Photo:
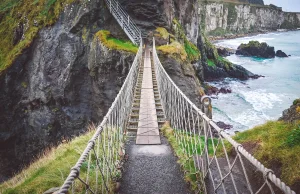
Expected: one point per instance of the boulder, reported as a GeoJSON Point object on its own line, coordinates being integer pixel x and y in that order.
{"type": "Point", "coordinates": [280, 53]}
{"type": "Point", "coordinates": [256, 49]}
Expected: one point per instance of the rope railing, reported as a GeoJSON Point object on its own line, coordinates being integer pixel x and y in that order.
{"type": "Point", "coordinates": [100, 162]}
{"type": "Point", "coordinates": [219, 163]}
{"type": "Point", "coordinates": [125, 21]}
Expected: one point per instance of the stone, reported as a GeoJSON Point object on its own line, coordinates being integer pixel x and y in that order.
{"type": "Point", "coordinates": [256, 49]}
{"type": "Point", "coordinates": [281, 54]}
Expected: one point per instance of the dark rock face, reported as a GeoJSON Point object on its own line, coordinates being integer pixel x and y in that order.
{"type": "Point", "coordinates": [224, 52]}
{"type": "Point", "coordinates": [280, 53]}
{"type": "Point", "coordinates": [256, 49]}
{"type": "Point", "coordinates": [292, 114]}
{"type": "Point", "coordinates": [57, 86]}
{"type": "Point", "coordinates": [223, 125]}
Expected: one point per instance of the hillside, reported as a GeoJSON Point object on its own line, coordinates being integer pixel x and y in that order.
{"type": "Point", "coordinates": [277, 145]}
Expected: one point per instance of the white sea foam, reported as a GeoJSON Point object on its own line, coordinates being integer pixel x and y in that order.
{"type": "Point", "coordinates": [260, 99]}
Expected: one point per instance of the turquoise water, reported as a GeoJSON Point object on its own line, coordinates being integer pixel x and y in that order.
{"type": "Point", "coordinates": [254, 102]}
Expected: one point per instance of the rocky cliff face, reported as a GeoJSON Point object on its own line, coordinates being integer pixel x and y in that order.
{"type": "Point", "coordinates": [221, 18]}
{"type": "Point", "coordinates": [67, 78]}
{"type": "Point", "coordinates": [63, 81]}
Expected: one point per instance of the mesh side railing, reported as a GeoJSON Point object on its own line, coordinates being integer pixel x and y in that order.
{"type": "Point", "coordinates": [217, 162]}
{"type": "Point", "coordinates": [99, 164]}
{"type": "Point", "coordinates": [124, 20]}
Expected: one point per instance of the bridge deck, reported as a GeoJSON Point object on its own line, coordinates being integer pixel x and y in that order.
{"type": "Point", "coordinates": [148, 131]}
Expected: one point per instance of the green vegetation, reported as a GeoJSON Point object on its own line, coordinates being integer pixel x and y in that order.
{"type": "Point", "coordinates": [278, 143]}
{"type": "Point", "coordinates": [211, 63]}
{"type": "Point", "coordinates": [297, 101]}
{"type": "Point", "coordinates": [217, 32]}
{"type": "Point", "coordinates": [163, 32]}
{"type": "Point", "coordinates": [232, 14]}
{"type": "Point", "coordinates": [111, 42]}
{"type": "Point", "coordinates": [28, 17]}
{"type": "Point", "coordinates": [192, 51]}
{"type": "Point", "coordinates": [52, 168]}
{"type": "Point", "coordinates": [255, 44]}
{"type": "Point", "coordinates": [193, 142]}
{"type": "Point", "coordinates": [49, 171]}
{"type": "Point", "coordinates": [175, 50]}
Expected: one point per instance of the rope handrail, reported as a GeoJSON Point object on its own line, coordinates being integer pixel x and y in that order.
{"type": "Point", "coordinates": [170, 94]}
{"type": "Point", "coordinates": [111, 130]}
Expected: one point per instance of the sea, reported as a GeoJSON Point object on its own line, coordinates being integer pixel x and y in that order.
{"type": "Point", "coordinates": [256, 101]}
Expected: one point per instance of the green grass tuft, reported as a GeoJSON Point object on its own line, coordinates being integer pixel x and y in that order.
{"type": "Point", "coordinates": [211, 63]}
{"type": "Point", "coordinates": [110, 42]}
{"type": "Point", "coordinates": [278, 143]}
{"type": "Point", "coordinates": [34, 14]}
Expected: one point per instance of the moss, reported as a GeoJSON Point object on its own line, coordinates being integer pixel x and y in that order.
{"type": "Point", "coordinates": [24, 84]}
{"type": "Point", "coordinates": [163, 32]}
{"type": "Point", "coordinates": [232, 14]}
{"type": "Point", "coordinates": [278, 143]}
{"type": "Point", "coordinates": [297, 101]}
{"type": "Point", "coordinates": [227, 64]}
{"type": "Point", "coordinates": [175, 50]}
{"type": "Point", "coordinates": [33, 15]}
{"type": "Point", "coordinates": [113, 43]}
{"type": "Point", "coordinates": [298, 109]}
{"type": "Point", "coordinates": [218, 32]}
{"type": "Point", "coordinates": [192, 51]}
{"type": "Point", "coordinates": [211, 63]}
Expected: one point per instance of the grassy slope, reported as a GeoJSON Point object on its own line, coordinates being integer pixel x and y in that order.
{"type": "Point", "coordinates": [49, 171]}
{"type": "Point", "coordinates": [278, 144]}
{"type": "Point", "coordinates": [34, 14]}
{"type": "Point", "coordinates": [110, 42]}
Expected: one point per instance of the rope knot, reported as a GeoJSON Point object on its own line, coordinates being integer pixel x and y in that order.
{"type": "Point", "coordinates": [266, 173]}
{"type": "Point", "coordinates": [77, 170]}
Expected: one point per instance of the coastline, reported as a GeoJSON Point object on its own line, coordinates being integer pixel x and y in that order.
{"type": "Point", "coordinates": [215, 39]}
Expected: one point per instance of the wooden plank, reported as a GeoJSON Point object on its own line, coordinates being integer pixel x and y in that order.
{"type": "Point", "coordinates": [148, 131]}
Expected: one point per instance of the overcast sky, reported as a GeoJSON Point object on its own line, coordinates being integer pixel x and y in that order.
{"type": "Point", "coordinates": [287, 5]}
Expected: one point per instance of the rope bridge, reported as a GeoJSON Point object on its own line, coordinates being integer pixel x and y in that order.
{"type": "Point", "coordinates": [204, 145]}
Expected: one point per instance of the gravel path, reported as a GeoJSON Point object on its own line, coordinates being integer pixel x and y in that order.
{"type": "Point", "coordinates": [152, 169]}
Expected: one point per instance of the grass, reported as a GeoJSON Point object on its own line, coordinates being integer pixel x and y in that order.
{"type": "Point", "coordinates": [186, 152]}
{"type": "Point", "coordinates": [111, 42]}
{"type": "Point", "coordinates": [211, 63]}
{"type": "Point", "coordinates": [192, 51]}
{"type": "Point", "coordinates": [163, 32]}
{"type": "Point", "coordinates": [278, 143]}
{"type": "Point", "coordinates": [52, 169]}
{"type": "Point", "coordinates": [33, 15]}
{"type": "Point", "coordinates": [175, 50]}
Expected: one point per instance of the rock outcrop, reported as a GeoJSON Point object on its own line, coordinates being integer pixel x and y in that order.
{"type": "Point", "coordinates": [256, 49]}
{"type": "Point", "coordinates": [66, 79]}
{"type": "Point", "coordinates": [292, 114]}
{"type": "Point", "coordinates": [280, 53]}
{"type": "Point", "coordinates": [221, 19]}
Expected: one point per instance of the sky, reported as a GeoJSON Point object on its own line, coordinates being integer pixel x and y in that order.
{"type": "Point", "coordinates": [287, 5]}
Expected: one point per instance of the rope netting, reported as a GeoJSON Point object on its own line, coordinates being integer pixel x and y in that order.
{"type": "Point", "coordinates": [100, 162]}
{"type": "Point", "coordinates": [219, 164]}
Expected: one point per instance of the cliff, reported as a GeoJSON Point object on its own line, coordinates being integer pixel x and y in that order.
{"type": "Point", "coordinates": [220, 18]}
{"type": "Point", "coordinates": [62, 64]}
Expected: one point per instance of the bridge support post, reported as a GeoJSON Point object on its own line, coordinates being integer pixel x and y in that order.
{"type": "Point", "coordinates": [206, 108]}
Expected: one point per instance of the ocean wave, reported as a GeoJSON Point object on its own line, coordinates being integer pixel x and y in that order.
{"type": "Point", "coordinates": [260, 99]}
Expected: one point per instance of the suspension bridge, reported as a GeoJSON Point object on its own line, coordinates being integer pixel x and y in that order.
{"type": "Point", "coordinates": [147, 99]}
